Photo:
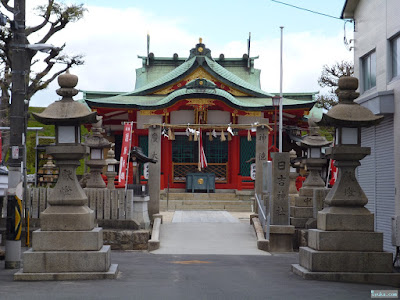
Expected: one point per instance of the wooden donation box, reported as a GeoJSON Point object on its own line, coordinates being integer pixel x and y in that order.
{"type": "Point", "coordinates": [200, 182]}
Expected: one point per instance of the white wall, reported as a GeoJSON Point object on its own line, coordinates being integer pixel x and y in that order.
{"type": "Point", "coordinates": [375, 23]}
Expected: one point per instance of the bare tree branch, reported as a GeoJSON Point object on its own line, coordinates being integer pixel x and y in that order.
{"type": "Point", "coordinates": [46, 16]}
{"type": "Point", "coordinates": [329, 78]}
{"type": "Point", "coordinates": [6, 6]}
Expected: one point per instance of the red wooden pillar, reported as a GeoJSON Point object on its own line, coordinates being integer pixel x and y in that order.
{"type": "Point", "coordinates": [166, 159]}
{"type": "Point", "coordinates": [234, 161]}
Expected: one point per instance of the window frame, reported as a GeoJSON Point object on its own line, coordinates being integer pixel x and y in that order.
{"type": "Point", "coordinates": [368, 64]}
{"type": "Point", "coordinates": [394, 68]}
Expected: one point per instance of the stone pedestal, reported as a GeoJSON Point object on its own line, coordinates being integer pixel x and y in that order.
{"type": "Point", "coordinates": [281, 238]}
{"type": "Point", "coordinates": [95, 180]}
{"type": "Point", "coordinates": [140, 211]}
{"type": "Point", "coordinates": [303, 213]}
{"type": "Point", "coordinates": [346, 248]}
{"type": "Point", "coordinates": [110, 180]}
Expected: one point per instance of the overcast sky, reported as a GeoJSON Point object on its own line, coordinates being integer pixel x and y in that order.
{"type": "Point", "coordinates": [113, 33]}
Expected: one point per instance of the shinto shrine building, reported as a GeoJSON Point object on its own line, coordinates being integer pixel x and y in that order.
{"type": "Point", "coordinates": [200, 92]}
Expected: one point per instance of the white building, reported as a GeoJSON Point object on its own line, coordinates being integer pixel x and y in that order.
{"type": "Point", "coordinates": [377, 65]}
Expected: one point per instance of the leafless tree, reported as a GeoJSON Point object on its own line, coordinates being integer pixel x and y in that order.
{"type": "Point", "coordinates": [55, 17]}
{"type": "Point", "coordinates": [329, 78]}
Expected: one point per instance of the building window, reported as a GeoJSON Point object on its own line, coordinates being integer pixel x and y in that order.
{"type": "Point", "coordinates": [395, 49]}
{"type": "Point", "coordinates": [369, 71]}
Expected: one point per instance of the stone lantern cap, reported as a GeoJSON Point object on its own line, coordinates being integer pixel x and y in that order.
{"type": "Point", "coordinates": [111, 156]}
{"type": "Point", "coordinates": [347, 113]}
{"type": "Point", "coordinates": [138, 153]}
{"type": "Point", "coordinates": [314, 139]}
{"type": "Point", "coordinates": [96, 139]}
{"type": "Point", "coordinates": [66, 111]}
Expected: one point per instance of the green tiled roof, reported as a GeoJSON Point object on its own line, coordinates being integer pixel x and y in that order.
{"type": "Point", "coordinates": [182, 69]}
{"type": "Point", "coordinates": [161, 101]}
{"type": "Point", "coordinates": [224, 73]}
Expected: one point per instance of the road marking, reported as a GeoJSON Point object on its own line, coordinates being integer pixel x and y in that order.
{"type": "Point", "coordinates": [191, 262]}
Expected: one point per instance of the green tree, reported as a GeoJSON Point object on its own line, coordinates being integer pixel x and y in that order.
{"type": "Point", "coordinates": [42, 71]}
{"type": "Point", "coordinates": [329, 79]}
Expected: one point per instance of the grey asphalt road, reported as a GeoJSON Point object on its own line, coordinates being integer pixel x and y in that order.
{"type": "Point", "coordinates": [149, 276]}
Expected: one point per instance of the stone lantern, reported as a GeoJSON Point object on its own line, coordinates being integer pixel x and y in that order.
{"type": "Point", "coordinates": [68, 246]}
{"type": "Point", "coordinates": [344, 247]}
{"type": "Point", "coordinates": [111, 171]}
{"type": "Point", "coordinates": [314, 162]}
{"type": "Point", "coordinates": [96, 142]}
{"type": "Point", "coordinates": [312, 193]}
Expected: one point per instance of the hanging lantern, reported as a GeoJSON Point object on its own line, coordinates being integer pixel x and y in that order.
{"type": "Point", "coordinates": [223, 139]}
{"type": "Point", "coordinates": [210, 137]}
{"type": "Point", "coordinates": [248, 136]}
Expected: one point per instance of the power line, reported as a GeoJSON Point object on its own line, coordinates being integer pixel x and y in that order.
{"type": "Point", "coordinates": [309, 10]}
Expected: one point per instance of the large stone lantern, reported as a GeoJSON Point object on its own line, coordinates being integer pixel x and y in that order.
{"type": "Point", "coordinates": [68, 246]}
{"type": "Point", "coordinates": [96, 143]}
{"type": "Point", "coordinates": [344, 247]}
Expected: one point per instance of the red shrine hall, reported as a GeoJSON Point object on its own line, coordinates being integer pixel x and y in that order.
{"type": "Point", "coordinates": [220, 98]}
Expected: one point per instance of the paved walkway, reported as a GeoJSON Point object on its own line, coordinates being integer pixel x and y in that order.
{"type": "Point", "coordinates": [207, 232]}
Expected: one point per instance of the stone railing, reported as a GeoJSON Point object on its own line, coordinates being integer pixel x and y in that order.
{"type": "Point", "coordinates": [107, 204]}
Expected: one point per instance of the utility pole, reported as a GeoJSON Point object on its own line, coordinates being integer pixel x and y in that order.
{"type": "Point", "coordinates": [281, 96]}
{"type": "Point", "coordinates": [20, 79]}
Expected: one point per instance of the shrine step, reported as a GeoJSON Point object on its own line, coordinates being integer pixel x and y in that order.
{"type": "Point", "coordinates": [203, 201]}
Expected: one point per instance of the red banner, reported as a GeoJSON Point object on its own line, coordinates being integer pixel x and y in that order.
{"type": "Point", "coordinates": [125, 149]}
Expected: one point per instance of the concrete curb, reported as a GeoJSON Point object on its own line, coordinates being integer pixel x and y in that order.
{"type": "Point", "coordinates": [262, 243]}
{"type": "Point", "coordinates": [154, 242]}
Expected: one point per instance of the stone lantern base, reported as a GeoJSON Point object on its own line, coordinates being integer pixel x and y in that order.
{"type": "Point", "coordinates": [346, 248]}
{"type": "Point", "coordinates": [67, 253]}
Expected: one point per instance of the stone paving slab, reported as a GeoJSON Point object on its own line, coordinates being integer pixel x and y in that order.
{"type": "Point", "coordinates": [207, 232]}
{"type": "Point", "coordinates": [203, 217]}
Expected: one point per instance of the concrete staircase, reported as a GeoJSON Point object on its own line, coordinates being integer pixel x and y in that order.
{"type": "Point", "coordinates": [230, 200]}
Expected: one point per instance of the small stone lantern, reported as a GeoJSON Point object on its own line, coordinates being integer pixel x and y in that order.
{"type": "Point", "coordinates": [111, 171]}
{"type": "Point", "coordinates": [68, 246]}
{"type": "Point", "coordinates": [314, 162]}
{"type": "Point", "coordinates": [345, 247]}
{"type": "Point", "coordinates": [96, 142]}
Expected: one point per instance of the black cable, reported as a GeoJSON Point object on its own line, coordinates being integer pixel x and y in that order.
{"type": "Point", "coordinates": [309, 10]}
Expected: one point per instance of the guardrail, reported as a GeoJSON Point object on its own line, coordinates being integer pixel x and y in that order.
{"type": "Point", "coordinates": [262, 217]}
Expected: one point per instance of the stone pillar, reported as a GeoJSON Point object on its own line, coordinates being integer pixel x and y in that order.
{"type": "Point", "coordinates": [261, 158]}
{"type": "Point", "coordinates": [281, 232]}
{"type": "Point", "coordinates": [154, 169]}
